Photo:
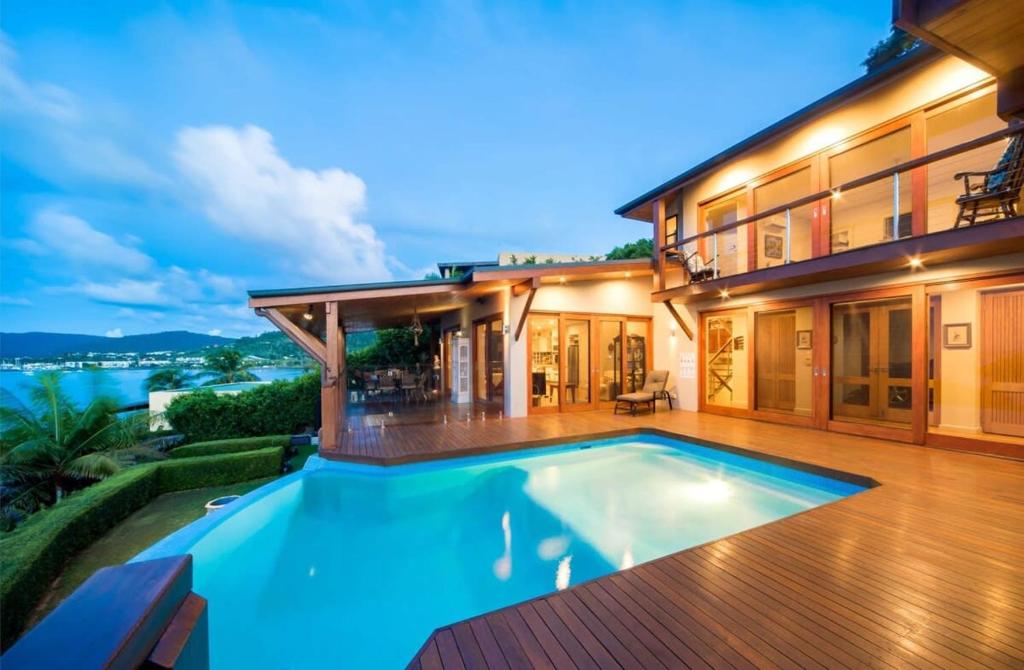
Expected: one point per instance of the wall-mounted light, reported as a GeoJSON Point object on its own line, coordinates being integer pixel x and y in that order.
{"type": "Point", "coordinates": [308, 314]}
{"type": "Point", "coordinates": [561, 280]}
{"type": "Point", "coordinates": [672, 331]}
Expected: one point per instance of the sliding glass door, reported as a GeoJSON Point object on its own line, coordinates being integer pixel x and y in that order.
{"type": "Point", "coordinates": [871, 361]}
{"type": "Point", "coordinates": [585, 361]}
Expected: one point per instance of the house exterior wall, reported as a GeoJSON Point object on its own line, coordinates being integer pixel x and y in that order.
{"type": "Point", "coordinates": [925, 83]}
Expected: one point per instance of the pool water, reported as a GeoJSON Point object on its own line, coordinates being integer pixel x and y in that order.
{"type": "Point", "coordinates": [354, 566]}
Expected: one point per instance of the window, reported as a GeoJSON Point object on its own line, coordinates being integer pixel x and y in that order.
{"type": "Point", "coordinates": [772, 242]}
{"type": "Point", "coordinates": [730, 244]}
{"type": "Point", "coordinates": [948, 128]}
{"type": "Point", "coordinates": [863, 216]}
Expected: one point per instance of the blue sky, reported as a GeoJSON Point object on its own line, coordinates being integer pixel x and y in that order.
{"type": "Point", "coordinates": [158, 159]}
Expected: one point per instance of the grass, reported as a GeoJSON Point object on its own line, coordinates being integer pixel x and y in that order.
{"type": "Point", "coordinates": [161, 517]}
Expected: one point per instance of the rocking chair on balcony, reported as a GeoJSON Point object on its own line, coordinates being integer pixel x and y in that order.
{"type": "Point", "coordinates": [997, 194]}
{"type": "Point", "coordinates": [698, 270]}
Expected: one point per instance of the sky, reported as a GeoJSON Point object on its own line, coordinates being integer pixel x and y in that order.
{"type": "Point", "coordinates": [158, 159]}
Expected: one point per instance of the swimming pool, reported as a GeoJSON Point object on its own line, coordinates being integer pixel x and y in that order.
{"type": "Point", "coordinates": [354, 566]}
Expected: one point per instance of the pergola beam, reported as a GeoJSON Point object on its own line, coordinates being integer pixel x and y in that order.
{"type": "Point", "coordinates": [305, 340]}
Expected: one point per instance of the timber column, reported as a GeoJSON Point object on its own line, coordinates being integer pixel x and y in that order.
{"type": "Point", "coordinates": [333, 381]}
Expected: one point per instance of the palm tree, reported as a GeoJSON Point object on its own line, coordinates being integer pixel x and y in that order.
{"type": "Point", "coordinates": [55, 447]}
{"type": "Point", "coordinates": [229, 365]}
{"type": "Point", "coordinates": [168, 379]}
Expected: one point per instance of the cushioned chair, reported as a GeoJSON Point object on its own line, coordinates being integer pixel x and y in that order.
{"type": "Point", "coordinates": [654, 388]}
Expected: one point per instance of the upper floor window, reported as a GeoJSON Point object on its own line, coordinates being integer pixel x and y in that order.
{"type": "Point", "coordinates": [864, 215]}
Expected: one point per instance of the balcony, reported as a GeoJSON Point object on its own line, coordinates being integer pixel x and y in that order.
{"type": "Point", "coordinates": [958, 203]}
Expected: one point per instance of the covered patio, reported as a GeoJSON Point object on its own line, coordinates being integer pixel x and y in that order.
{"type": "Point", "coordinates": [359, 402]}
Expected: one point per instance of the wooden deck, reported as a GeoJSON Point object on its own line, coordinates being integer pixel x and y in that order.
{"type": "Point", "coordinates": [924, 571]}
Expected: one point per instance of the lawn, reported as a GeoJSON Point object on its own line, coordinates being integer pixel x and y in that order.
{"type": "Point", "coordinates": [158, 519]}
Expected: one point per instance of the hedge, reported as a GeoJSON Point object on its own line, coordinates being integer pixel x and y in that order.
{"type": "Point", "coordinates": [204, 471]}
{"type": "Point", "coordinates": [271, 409]}
{"type": "Point", "coordinates": [35, 553]}
{"type": "Point", "coordinates": [215, 447]}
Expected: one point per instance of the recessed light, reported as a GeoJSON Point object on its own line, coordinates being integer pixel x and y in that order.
{"type": "Point", "coordinates": [724, 293]}
{"type": "Point", "coordinates": [628, 274]}
{"type": "Point", "coordinates": [915, 262]}
{"type": "Point", "coordinates": [836, 194]}
{"type": "Point", "coordinates": [561, 280]}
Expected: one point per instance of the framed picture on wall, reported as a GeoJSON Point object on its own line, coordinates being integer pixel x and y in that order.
{"type": "Point", "coordinates": [956, 336]}
{"type": "Point", "coordinates": [840, 240]}
{"type": "Point", "coordinates": [773, 246]}
{"type": "Point", "coordinates": [804, 339]}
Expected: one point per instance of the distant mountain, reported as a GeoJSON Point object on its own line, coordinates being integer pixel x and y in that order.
{"type": "Point", "coordinates": [42, 345]}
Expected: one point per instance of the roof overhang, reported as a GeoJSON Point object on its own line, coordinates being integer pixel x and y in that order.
{"type": "Point", "coordinates": [988, 34]}
{"type": "Point", "coordinates": [388, 304]}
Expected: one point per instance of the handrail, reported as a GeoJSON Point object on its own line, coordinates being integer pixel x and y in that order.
{"type": "Point", "coordinates": [860, 181]}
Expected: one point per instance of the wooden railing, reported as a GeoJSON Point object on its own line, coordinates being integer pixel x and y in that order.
{"type": "Point", "coordinates": [786, 210]}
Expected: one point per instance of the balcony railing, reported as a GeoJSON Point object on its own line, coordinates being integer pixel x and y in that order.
{"type": "Point", "coordinates": [914, 198]}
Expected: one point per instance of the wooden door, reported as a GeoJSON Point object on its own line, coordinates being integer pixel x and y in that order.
{"type": "Point", "coordinates": [776, 363]}
{"type": "Point", "coordinates": [1002, 362]}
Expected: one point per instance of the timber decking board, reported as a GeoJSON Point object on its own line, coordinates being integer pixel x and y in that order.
{"type": "Point", "coordinates": [925, 571]}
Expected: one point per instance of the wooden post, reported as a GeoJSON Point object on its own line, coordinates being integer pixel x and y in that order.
{"type": "Point", "coordinates": [332, 382]}
{"type": "Point", "coordinates": [658, 218]}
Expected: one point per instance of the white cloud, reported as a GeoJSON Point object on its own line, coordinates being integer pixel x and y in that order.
{"type": "Point", "coordinates": [78, 242]}
{"type": "Point", "coordinates": [123, 292]}
{"type": "Point", "coordinates": [57, 136]}
{"type": "Point", "coordinates": [14, 300]}
{"type": "Point", "coordinates": [214, 332]}
{"type": "Point", "coordinates": [116, 332]}
{"type": "Point", "coordinates": [306, 220]}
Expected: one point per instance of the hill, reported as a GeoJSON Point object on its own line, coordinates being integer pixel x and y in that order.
{"type": "Point", "coordinates": [42, 345]}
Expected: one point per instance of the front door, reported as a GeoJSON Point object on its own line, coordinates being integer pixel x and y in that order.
{"type": "Point", "coordinates": [871, 361]}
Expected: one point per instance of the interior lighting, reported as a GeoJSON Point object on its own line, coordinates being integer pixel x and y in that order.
{"type": "Point", "coordinates": [308, 314]}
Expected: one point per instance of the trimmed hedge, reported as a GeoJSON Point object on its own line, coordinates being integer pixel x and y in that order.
{"type": "Point", "coordinates": [204, 471]}
{"type": "Point", "coordinates": [271, 409]}
{"type": "Point", "coordinates": [35, 553]}
{"type": "Point", "coordinates": [215, 447]}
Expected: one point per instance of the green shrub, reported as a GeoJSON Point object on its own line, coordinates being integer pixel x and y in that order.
{"type": "Point", "coordinates": [35, 553]}
{"type": "Point", "coordinates": [203, 471]}
{"type": "Point", "coordinates": [271, 409]}
{"type": "Point", "coordinates": [216, 447]}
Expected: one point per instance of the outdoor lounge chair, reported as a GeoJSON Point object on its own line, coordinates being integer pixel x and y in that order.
{"type": "Point", "coordinates": [997, 194]}
{"type": "Point", "coordinates": [698, 270]}
{"type": "Point", "coordinates": [654, 388]}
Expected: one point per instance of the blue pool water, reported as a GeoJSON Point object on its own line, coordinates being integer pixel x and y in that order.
{"type": "Point", "coordinates": [354, 566]}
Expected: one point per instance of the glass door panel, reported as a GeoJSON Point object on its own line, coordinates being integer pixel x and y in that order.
{"type": "Point", "coordinates": [496, 360]}
{"type": "Point", "coordinates": [577, 361]}
{"type": "Point", "coordinates": [544, 363]}
{"type": "Point", "coordinates": [636, 355]}
{"type": "Point", "coordinates": [772, 231]}
{"type": "Point", "coordinates": [480, 361]}
{"type": "Point", "coordinates": [784, 361]}
{"type": "Point", "coordinates": [871, 361]}
{"type": "Point", "coordinates": [609, 349]}
{"type": "Point", "coordinates": [730, 244]}
{"type": "Point", "coordinates": [725, 360]}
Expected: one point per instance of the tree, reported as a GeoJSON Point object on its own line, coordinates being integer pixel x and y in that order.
{"type": "Point", "coordinates": [54, 447]}
{"type": "Point", "coordinates": [892, 47]}
{"type": "Point", "coordinates": [642, 248]}
{"type": "Point", "coordinates": [431, 275]}
{"type": "Point", "coordinates": [168, 379]}
{"type": "Point", "coordinates": [229, 366]}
